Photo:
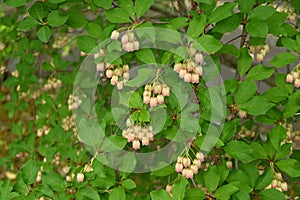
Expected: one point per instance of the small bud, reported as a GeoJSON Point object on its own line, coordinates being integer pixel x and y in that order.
{"type": "Point", "coordinates": [178, 167]}
{"type": "Point", "coordinates": [289, 78]}
{"type": "Point", "coordinates": [259, 57]}
{"type": "Point", "coordinates": [146, 99]}
{"type": "Point", "coordinates": [195, 78]}
{"type": "Point", "coordinates": [126, 76]}
{"type": "Point", "coordinates": [182, 73]}
{"type": "Point", "coordinates": [187, 77]}
{"type": "Point", "coordinates": [109, 73]}
{"type": "Point", "coordinates": [186, 162]}
{"type": "Point", "coordinates": [160, 99]}
{"type": "Point", "coordinates": [114, 80]}
{"type": "Point", "coordinates": [115, 35]}
{"type": "Point", "coordinates": [100, 67]}
{"type": "Point", "coordinates": [199, 58]}
{"type": "Point", "coordinates": [169, 189]}
{"type": "Point", "coordinates": [242, 114]}
{"type": "Point", "coordinates": [194, 168]}
{"type": "Point", "coordinates": [200, 156]}
{"type": "Point", "coordinates": [177, 67]}
{"type": "Point", "coordinates": [165, 91]}
{"type": "Point", "coordinates": [295, 75]}
{"type": "Point", "coordinates": [136, 45]}
{"type": "Point", "coordinates": [120, 85]}
{"type": "Point", "coordinates": [125, 68]}
{"type": "Point", "coordinates": [284, 186]}
{"type": "Point", "coordinates": [179, 159]}
{"type": "Point", "coordinates": [124, 39]}
{"type": "Point", "coordinates": [68, 178]}
{"type": "Point", "coordinates": [80, 177]}
{"type": "Point", "coordinates": [129, 46]}
{"type": "Point", "coordinates": [131, 37]}
{"type": "Point", "coordinates": [145, 141]}
{"type": "Point", "coordinates": [229, 164]}
{"type": "Point", "coordinates": [136, 144]}
{"type": "Point", "coordinates": [297, 83]}
{"type": "Point", "coordinates": [197, 162]}
{"type": "Point", "coordinates": [274, 183]}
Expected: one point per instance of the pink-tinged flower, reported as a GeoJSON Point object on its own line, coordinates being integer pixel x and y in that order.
{"type": "Point", "coordinates": [136, 144]}
{"type": "Point", "coordinates": [242, 114]}
{"type": "Point", "coordinates": [100, 67]}
{"type": "Point", "coordinates": [186, 162]}
{"type": "Point", "coordinates": [80, 177]}
{"type": "Point", "coordinates": [131, 37]}
{"type": "Point", "coordinates": [189, 173]}
{"type": "Point", "coordinates": [190, 66]}
{"type": "Point", "coordinates": [120, 85]}
{"type": "Point", "coordinates": [229, 164]}
{"type": "Point", "coordinates": [124, 39]}
{"type": "Point", "coordinates": [115, 35]}
{"type": "Point", "coordinates": [178, 167]}
{"type": "Point", "coordinates": [160, 99]}
{"type": "Point", "coordinates": [199, 70]}
{"type": "Point", "coordinates": [145, 141]}
{"type": "Point", "coordinates": [200, 156]}
{"type": "Point", "coordinates": [194, 168]}
{"type": "Point", "coordinates": [130, 137]}
{"type": "Point", "coordinates": [157, 88]}
{"type": "Point", "coordinates": [126, 76]}
{"type": "Point", "coordinates": [179, 159]}
{"type": "Point", "coordinates": [165, 91]}
{"type": "Point", "coordinates": [169, 189]}
{"type": "Point", "coordinates": [197, 162]}
{"type": "Point", "coordinates": [109, 73]}
{"type": "Point", "coordinates": [177, 67]}
{"type": "Point", "coordinates": [182, 73]}
{"type": "Point", "coordinates": [195, 78]}
{"type": "Point", "coordinates": [114, 80]}
{"type": "Point", "coordinates": [274, 183]}
{"type": "Point", "coordinates": [146, 99]}
{"type": "Point", "coordinates": [289, 78]}
{"type": "Point", "coordinates": [295, 75]}
{"type": "Point", "coordinates": [96, 55]}
{"type": "Point", "coordinates": [297, 83]}
{"type": "Point", "coordinates": [284, 186]}
{"type": "Point", "coordinates": [153, 101]}
{"type": "Point", "coordinates": [129, 46]}
{"type": "Point", "coordinates": [136, 45]}
{"type": "Point", "coordinates": [199, 58]}
{"type": "Point", "coordinates": [187, 77]}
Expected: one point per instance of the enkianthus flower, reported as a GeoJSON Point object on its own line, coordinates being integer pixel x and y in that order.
{"type": "Point", "coordinates": [74, 102]}
{"type": "Point", "coordinates": [155, 93]}
{"type": "Point", "coordinates": [129, 42]}
{"type": "Point", "coordinates": [118, 75]}
{"type": "Point", "coordinates": [259, 52]}
{"type": "Point", "coordinates": [138, 135]}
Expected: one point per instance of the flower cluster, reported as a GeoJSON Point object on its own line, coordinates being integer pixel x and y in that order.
{"type": "Point", "coordinates": [244, 132]}
{"type": "Point", "coordinates": [74, 102]}
{"type": "Point", "coordinates": [68, 123]}
{"type": "Point", "coordinates": [136, 134]}
{"type": "Point", "coordinates": [287, 8]}
{"type": "Point", "coordinates": [293, 77]}
{"type": "Point", "coordinates": [52, 83]}
{"type": "Point", "coordinates": [189, 70]}
{"type": "Point", "coordinates": [260, 52]}
{"type": "Point", "coordinates": [278, 183]}
{"type": "Point", "coordinates": [15, 73]}
{"type": "Point", "coordinates": [118, 76]}
{"type": "Point", "coordinates": [188, 168]}
{"type": "Point", "coordinates": [128, 40]}
{"type": "Point", "coordinates": [43, 131]}
{"type": "Point", "coordinates": [155, 93]}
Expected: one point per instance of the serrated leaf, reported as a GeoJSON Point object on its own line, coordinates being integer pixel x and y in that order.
{"type": "Point", "coordinates": [260, 72]}
{"type": "Point", "coordinates": [141, 6]}
{"type": "Point", "coordinates": [196, 26]}
{"type": "Point", "coordinates": [245, 91]}
{"type": "Point", "coordinates": [282, 59]}
{"type": "Point", "coordinates": [117, 15]}
{"type": "Point", "coordinates": [244, 61]}
{"type": "Point", "coordinates": [27, 23]}
{"type": "Point", "coordinates": [240, 150]}
{"type": "Point", "coordinates": [56, 19]}
{"type": "Point", "coordinates": [103, 4]}
{"type": "Point", "coordinates": [29, 172]}
{"type": "Point", "coordinates": [37, 11]}
{"type": "Point", "coordinates": [209, 43]}
{"type": "Point", "coordinates": [94, 30]}
{"type": "Point", "coordinates": [76, 19]}
{"type": "Point", "coordinates": [44, 33]}
{"type": "Point", "coordinates": [229, 24]}
{"type": "Point", "coordinates": [258, 105]}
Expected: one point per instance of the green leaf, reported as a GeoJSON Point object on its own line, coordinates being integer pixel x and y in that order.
{"type": "Point", "coordinates": [290, 166]}
{"type": "Point", "coordinates": [196, 26]}
{"type": "Point", "coordinates": [276, 94]}
{"type": "Point", "coordinates": [257, 28]}
{"type": "Point", "coordinates": [56, 1]}
{"type": "Point", "coordinates": [86, 43]}
{"type": "Point", "coordinates": [94, 30]}
{"type": "Point", "coordinates": [258, 105]}
{"type": "Point", "coordinates": [143, 75]}
{"type": "Point", "coordinates": [225, 191]}
{"type": "Point", "coordinates": [264, 180]}
{"type": "Point", "coordinates": [103, 4]}
{"type": "Point", "coordinates": [245, 91]}
{"type": "Point", "coordinates": [118, 141]}
{"type": "Point", "coordinates": [290, 44]}
{"type": "Point", "coordinates": [127, 6]}
{"type": "Point", "coordinates": [117, 193]}
{"type": "Point", "coordinates": [282, 59]}
{"type": "Point", "coordinates": [221, 12]}
{"type": "Point", "coordinates": [141, 6]}
{"type": "Point", "coordinates": [15, 3]}
{"type": "Point", "coordinates": [56, 19]}
{"type": "Point", "coordinates": [229, 24]}
{"type": "Point", "coordinates": [211, 178]}
{"type": "Point", "coordinates": [195, 194]}
{"type": "Point", "coordinates": [54, 181]}
{"type": "Point", "coordinates": [292, 106]}
{"type": "Point", "coordinates": [245, 5]}
{"type": "Point", "coordinates": [89, 192]}
{"type": "Point", "coordinates": [262, 12]}
{"type": "Point", "coordinates": [20, 186]}
{"type": "Point", "coordinates": [44, 34]}
{"type": "Point", "coordinates": [144, 115]}
{"type": "Point", "coordinates": [27, 23]}
{"type": "Point", "coordinates": [179, 188]}
{"type": "Point", "coordinates": [271, 194]}
{"type": "Point", "coordinates": [37, 11]}
{"type": "Point", "coordinates": [276, 136]}
{"type": "Point", "coordinates": [146, 56]}
{"type": "Point", "coordinates": [258, 150]}
{"type": "Point", "coordinates": [209, 43]}
{"type": "Point", "coordinates": [260, 72]}
{"type": "Point", "coordinates": [117, 15]}
{"type": "Point", "coordinates": [160, 195]}
{"type": "Point", "coordinates": [283, 151]}
{"type": "Point", "coordinates": [128, 184]}
{"type": "Point", "coordinates": [240, 150]}
{"type": "Point", "coordinates": [136, 101]}
{"type": "Point", "coordinates": [76, 20]}
{"type": "Point", "coordinates": [244, 61]}
{"type": "Point", "coordinates": [179, 22]}
{"type": "Point", "coordinates": [46, 190]}
{"type": "Point", "coordinates": [230, 49]}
